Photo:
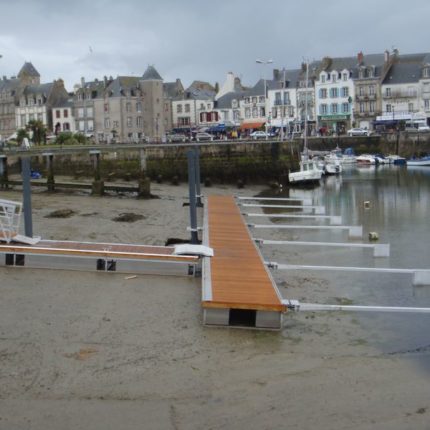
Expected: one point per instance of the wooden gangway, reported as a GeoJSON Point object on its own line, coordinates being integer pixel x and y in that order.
{"type": "Point", "coordinates": [237, 286]}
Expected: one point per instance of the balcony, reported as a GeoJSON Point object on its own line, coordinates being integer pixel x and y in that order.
{"type": "Point", "coordinates": [280, 103]}
{"type": "Point", "coordinates": [400, 94]}
{"type": "Point", "coordinates": [365, 97]}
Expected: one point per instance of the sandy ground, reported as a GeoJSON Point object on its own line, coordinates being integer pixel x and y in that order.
{"type": "Point", "coordinates": [97, 351]}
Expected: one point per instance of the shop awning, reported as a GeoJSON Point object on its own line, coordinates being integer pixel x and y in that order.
{"type": "Point", "coordinates": [253, 125]}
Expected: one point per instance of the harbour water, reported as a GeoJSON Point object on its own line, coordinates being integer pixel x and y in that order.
{"type": "Point", "coordinates": [398, 210]}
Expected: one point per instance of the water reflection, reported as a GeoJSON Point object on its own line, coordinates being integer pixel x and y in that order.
{"type": "Point", "coordinates": [398, 210]}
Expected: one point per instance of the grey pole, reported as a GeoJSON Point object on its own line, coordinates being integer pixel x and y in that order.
{"type": "Point", "coordinates": [26, 189]}
{"type": "Point", "coordinates": [192, 195]}
{"type": "Point", "coordinates": [197, 166]}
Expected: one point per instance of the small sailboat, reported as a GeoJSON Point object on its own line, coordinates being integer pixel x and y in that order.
{"type": "Point", "coordinates": [309, 172]}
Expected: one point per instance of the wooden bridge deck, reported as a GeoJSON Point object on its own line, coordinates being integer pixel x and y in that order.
{"type": "Point", "coordinates": [238, 277]}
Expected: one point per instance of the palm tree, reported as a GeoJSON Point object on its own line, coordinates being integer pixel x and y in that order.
{"type": "Point", "coordinates": [21, 134]}
{"type": "Point", "coordinates": [39, 131]}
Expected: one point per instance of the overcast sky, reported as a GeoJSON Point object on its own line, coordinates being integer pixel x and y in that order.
{"type": "Point", "coordinates": [195, 39]}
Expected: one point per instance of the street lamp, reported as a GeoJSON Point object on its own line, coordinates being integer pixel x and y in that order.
{"type": "Point", "coordinates": [264, 63]}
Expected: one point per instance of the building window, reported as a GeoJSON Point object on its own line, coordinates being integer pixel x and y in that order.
{"type": "Point", "coordinates": [128, 107]}
{"type": "Point", "coordinates": [371, 90]}
{"type": "Point", "coordinates": [106, 107]}
{"type": "Point", "coordinates": [323, 109]}
{"type": "Point", "coordinates": [139, 121]}
{"type": "Point", "coordinates": [344, 91]}
{"type": "Point", "coordinates": [65, 113]}
{"type": "Point", "coordinates": [345, 107]}
{"type": "Point", "coordinates": [333, 77]}
{"type": "Point", "coordinates": [361, 90]}
{"type": "Point", "coordinates": [187, 107]}
{"type": "Point", "coordinates": [323, 93]}
{"type": "Point", "coordinates": [57, 113]}
{"type": "Point", "coordinates": [286, 98]}
{"type": "Point", "coordinates": [115, 124]}
{"type": "Point", "coordinates": [388, 93]}
{"type": "Point", "coordinates": [81, 126]}
{"type": "Point", "coordinates": [254, 99]}
{"type": "Point", "coordinates": [247, 113]}
{"type": "Point", "coordinates": [334, 93]}
{"type": "Point", "coordinates": [90, 112]}
{"type": "Point", "coordinates": [254, 112]}
{"type": "Point", "coordinates": [129, 121]}
{"type": "Point", "coordinates": [410, 107]}
{"type": "Point", "coordinates": [107, 123]}
{"type": "Point", "coordinates": [362, 107]}
{"type": "Point", "coordinates": [323, 79]}
{"type": "Point", "coordinates": [262, 112]}
{"type": "Point", "coordinates": [138, 107]}
{"type": "Point", "coordinates": [426, 73]}
{"type": "Point", "coordinates": [426, 104]}
{"type": "Point", "coordinates": [334, 108]}
{"type": "Point", "coordinates": [372, 106]}
{"type": "Point", "coordinates": [80, 112]}
{"type": "Point", "coordinates": [179, 108]}
{"type": "Point", "coordinates": [345, 76]}
{"type": "Point", "coordinates": [234, 104]}
{"type": "Point", "coordinates": [388, 108]}
{"type": "Point", "coordinates": [91, 125]}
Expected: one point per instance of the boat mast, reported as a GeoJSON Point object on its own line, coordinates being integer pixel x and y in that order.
{"type": "Point", "coordinates": [305, 135]}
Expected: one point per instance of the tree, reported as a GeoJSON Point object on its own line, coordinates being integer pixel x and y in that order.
{"type": "Point", "coordinates": [21, 134]}
{"type": "Point", "coordinates": [38, 130]}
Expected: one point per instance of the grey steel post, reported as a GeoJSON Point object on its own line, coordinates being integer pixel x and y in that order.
{"type": "Point", "coordinates": [197, 166]}
{"type": "Point", "coordinates": [26, 189]}
{"type": "Point", "coordinates": [192, 195]}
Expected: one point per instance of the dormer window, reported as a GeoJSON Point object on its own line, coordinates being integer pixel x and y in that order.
{"type": "Point", "coordinates": [426, 72]}
{"type": "Point", "coordinates": [322, 78]}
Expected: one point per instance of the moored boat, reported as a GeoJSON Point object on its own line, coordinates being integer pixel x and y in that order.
{"type": "Point", "coordinates": [366, 159]}
{"type": "Point", "coordinates": [308, 173]}
{"type": "Point", "coordinates": [396, 160]}
{"type": "Point", "coordinates": [423, 161]}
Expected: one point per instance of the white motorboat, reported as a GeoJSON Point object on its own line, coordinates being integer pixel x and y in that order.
{"type": "Point", "coordinates": [333, 168]}
{"type": "Point", "coordinates": [366, 159]}
{"type": "Point", "coordinates": [424, 161]}
{"type": "Point", "coordinates": [308, 173]}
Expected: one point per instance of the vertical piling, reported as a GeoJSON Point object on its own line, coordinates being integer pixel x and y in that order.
{"type": "Point", "coordinates": [98, 184]}
{"type": "Point", "coordinates": [4, 177]}
{"type": "Point", "coordinates": [198, 180]}
{"type": "Point", "coordinates": [144, 184]}
{"type": "Point", "coordinates": [26, 189]}
{"type": "Point", "coordinates": [50, 181]}
{"type": "Point", "coordinates": [192, 195]}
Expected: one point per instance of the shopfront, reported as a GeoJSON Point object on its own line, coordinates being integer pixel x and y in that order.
{"type": "Point", "coordinates": [329, 124]}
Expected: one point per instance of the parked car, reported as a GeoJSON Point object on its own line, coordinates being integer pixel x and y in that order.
{"type": "Point", "coordinates": [176, 137]}
{"type": "Point", "coordinates": [358, 132]}
{"type": "Point", "coordinates": [203, 136]}
{"type": "Point", "coordinates": [260, 135]}
{"type": "Point", "coordinates": [423, 128]}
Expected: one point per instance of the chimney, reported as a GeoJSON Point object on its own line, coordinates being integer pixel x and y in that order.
{"type": "Point", "coordinates": [360, 57]}
{"type": "Point", "coordinates": [276, 75]}
{"type": "Point", "coordinates": [82, 82]}
{"type": "Point", "coordinates": [386, 56]}
{"type": "Point", "coordinates": [105, 80]}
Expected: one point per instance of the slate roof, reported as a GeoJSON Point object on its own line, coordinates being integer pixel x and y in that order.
{"type": "Point", "coordinates": [406, 69]}
{"type": "Point", "coordinates": [151, 75]}
{"type": "Point", "coordinates": [44, 89]}
{"type": "Point", "coordinates": [172, 89]}
{"type": "Point", "coordinates": [29, 70]}
{"type": "Point", "coordinates": [121, 83]}
{"type": "Point", "coordinates": [258, 88]}
{"type": "Point", "coordinates": [224, 102]}
{"type": "Point", "coordinates": [9, 85]}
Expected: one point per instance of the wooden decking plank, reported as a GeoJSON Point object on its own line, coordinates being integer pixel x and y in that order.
{"type": "Point", "coordinates": [239, 278]}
